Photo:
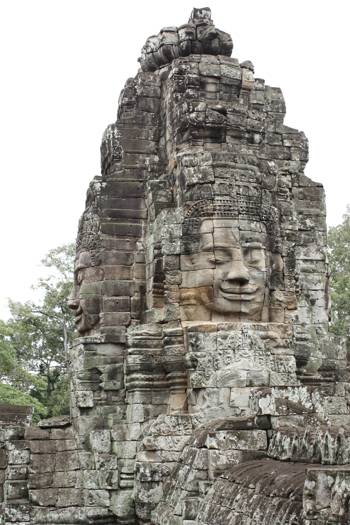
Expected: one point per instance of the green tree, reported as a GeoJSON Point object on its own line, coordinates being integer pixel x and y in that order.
{"type": "Point", "coordinates": [35, 340]}
{"type": "Point", "coordinates": [339, 268]}
{"type": "Point", "coordinates": [12, 396]}
{"type": "Point", "coordinates": [16, 382]}
{"type": "Point", "coordinates": [8, 359]}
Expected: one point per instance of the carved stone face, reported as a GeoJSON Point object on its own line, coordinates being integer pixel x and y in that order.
{"type": "Point", "coordinates": [228, 275]}
{"type": "Point", "coordinates": [85, 300]}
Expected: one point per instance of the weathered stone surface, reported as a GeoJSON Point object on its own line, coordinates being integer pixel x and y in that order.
{"type": "Point", "coordinates": [326, 492]}
{"type": "Point", "coordinates": [10, 414]}
{"type": "Point", "coordinates": [240, 496]}
{"type": "Point", "coordinates": [205, 387]}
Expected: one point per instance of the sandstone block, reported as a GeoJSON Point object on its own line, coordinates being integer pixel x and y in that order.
{"type": "Point", "coordinates": [15, 490]}
{"type": "Point", "coordinates": [100, 441]}
{"type": "Point", "coordinates": [122, 503]}
{"type": "Point", "coordinates": [84, 398]}
{"type": "Point", "coordinates": [43, 497]}
{"type": "Point", "coordinates": [67, 460]}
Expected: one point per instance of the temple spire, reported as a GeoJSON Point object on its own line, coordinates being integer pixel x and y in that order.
{"type": "Point", "coordinates": [198, 36]}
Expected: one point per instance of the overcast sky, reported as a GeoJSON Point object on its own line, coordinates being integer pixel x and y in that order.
{"type": "Point", "coordinates": [64, 62]}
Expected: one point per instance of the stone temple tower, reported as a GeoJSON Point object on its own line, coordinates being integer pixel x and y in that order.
{"type": "Point", "coordinates": [206, 388]}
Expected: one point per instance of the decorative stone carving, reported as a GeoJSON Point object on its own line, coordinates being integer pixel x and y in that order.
{"type": "Point", "coordinates": [205, 386]}
{"type": "Point", "coordinates": [199, 36]}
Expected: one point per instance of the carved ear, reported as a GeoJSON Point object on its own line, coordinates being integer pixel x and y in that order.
{"type": "Point", "coordinates": [277, 262]}
{"type": "Point", "coordinates": [265, 310]}
{"type": "Point", "coordinates": [277, 265]}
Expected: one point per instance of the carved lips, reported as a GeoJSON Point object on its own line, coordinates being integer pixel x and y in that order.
{"type": "Point", "coordinates": [236, 293]}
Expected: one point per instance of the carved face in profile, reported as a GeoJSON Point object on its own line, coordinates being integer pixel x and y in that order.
{"type": "Point", "coordinates": [85, 300]}
{"type": "Point", "coordinates": [228, 274]}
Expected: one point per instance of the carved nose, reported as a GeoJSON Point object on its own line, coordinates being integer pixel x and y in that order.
{"type": "Point", "coordinates": [238, 273]}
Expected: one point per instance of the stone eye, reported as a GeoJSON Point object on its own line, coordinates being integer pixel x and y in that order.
{"type": "Point", "coordinates": [214, 260]}
{"type": "Point", "coordinates": [253, 256]}
{"type": "Point", "coordinates": [218, 260]}
{"type": "Point", "coordinates": [220, 257]}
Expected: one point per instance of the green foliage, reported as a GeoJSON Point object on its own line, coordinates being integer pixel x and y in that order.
{"type": "Point", "coordinates": [58, 403]}
{"type": "Point", "coordinates": [34, 342]}
{"type": "Point", "coordinates": [339, 266]}
{"type": "Point", "coordinates": [7, 352]}
{"type": "Point", "coordinates": [13, 396]}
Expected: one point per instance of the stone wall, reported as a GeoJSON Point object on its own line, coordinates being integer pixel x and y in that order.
{"type": "Point", "coordinates": [14, 464]}
{"type": "Point", "coordinates": [205, 386]}
{"type": "Point", "coordinates": [47, 477]}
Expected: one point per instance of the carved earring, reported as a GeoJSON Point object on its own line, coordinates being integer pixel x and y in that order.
{"type": "Point", "coordinates": [265, 309]}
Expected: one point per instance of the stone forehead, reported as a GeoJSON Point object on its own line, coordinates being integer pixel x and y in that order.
{"type": "Point", "coordinates": [229, 233]}
{"type": "Point", "coordinates": [209, 225]}
{"type": "Point", "coordinates": [250, 217]}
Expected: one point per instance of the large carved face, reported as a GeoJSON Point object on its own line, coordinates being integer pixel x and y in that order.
{"type": "Point", "coordinates": [85, 300]}
{"type": "Point", "coordinates": [228, 274]}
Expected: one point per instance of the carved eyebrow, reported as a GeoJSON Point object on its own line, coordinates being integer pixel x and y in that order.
{"type": "Point", "coordinates": [207, 248]}
{"type": "Point", "coordinates": [221, 246]}
{"type": "Point", "coordinates": [252, 244]}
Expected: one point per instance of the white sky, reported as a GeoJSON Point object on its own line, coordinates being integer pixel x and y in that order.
{"type": "Point", "coordinates": [64, 62]}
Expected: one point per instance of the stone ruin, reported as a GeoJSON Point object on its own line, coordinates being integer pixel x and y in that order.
{"type": "Point", "coordinates": [206, 387]}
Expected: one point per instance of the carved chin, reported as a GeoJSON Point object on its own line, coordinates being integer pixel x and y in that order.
{"type": "Point", "coordinates": [247, 306]}
{"type": "Point", "coordinates": [224, 305]}
{"type": "Point", "coordinates": [197, 301]}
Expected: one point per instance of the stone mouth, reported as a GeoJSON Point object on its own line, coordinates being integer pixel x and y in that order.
{"type": "Point", "coordinates": [238, 294]}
